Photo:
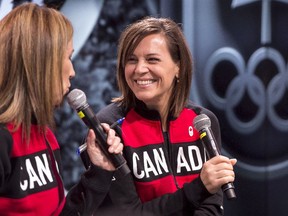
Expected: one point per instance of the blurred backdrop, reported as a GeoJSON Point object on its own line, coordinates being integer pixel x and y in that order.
{"type": "Point", "coordinates": [240, 50]}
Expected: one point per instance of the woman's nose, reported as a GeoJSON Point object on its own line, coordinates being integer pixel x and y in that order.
{"type": "Point", "coordinates": [72, 73]}
{"type": "Point", "coordinates": [141, 67]}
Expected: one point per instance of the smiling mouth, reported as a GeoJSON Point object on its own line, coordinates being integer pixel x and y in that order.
{"type": "Point", "coordinates": [144, 82]}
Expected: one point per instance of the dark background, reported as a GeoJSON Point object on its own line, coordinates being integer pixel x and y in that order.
{"type": "Point", "coordinates": [240, 73]}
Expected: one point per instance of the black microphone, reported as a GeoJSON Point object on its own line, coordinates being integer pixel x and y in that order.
{"type": "Point", "coordinates": [77, 100]}
{"type": "Point", "coordinates": [202, 124]}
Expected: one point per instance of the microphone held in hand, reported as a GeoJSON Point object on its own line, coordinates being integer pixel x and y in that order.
{"type": "Point", "coordinates": [202, 124]}
{"type": "Point", "coordinates": [77, 100]}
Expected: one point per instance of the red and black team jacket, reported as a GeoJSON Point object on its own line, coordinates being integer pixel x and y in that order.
{"type": "Point", "coordinates": [29, 174]}
{"type": "Point", "coordinates": [165, 165]}
{"type": "Point", "coordinates": [30, 183]}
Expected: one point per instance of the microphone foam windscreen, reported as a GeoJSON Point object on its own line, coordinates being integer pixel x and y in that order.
{"type": "Point", "coordinates": [201, 121]}
{"type": "Point", "coordinates": [76, 98]}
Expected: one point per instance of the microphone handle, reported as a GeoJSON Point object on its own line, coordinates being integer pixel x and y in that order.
{"type": "Point", "coordinates": [229, 191]}
{"type": "Point", "coordinates": [208, 140]}
{"type": "Point", "coordinates": [90, 119]}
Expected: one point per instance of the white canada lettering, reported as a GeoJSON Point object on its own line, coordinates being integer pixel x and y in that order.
{"type": "Point", "coordinates": [181, 161]}
{"type": "Point", "coordinates": [44, 169]}
{"type": "Point", "coordinates": [135, 158]}
{"type": "Point", "coordinates": [36, 174]}
{"type": "Point", "coordinates": [193, 159]}
{"type": "Point", "coordinates": [32, 175]}
{"type": "Point", "coordinates": [153, 163]}
{"type": "Point", "coordinates": [160, 160]}
{"type": "Point", "coordinates": [148, 165]}
{"type": "Point", "coordinates": [23, 185]}
{"type": "Point", "coordinates": [158, 168]}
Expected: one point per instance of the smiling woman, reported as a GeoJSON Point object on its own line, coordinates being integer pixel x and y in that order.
{"type": "Point", "coordinates": [150, 73]}
{"type": "Point", "coordinates": [163, 150]}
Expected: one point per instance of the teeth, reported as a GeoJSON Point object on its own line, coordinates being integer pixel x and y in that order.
{"type": "Point", "coordinates": [144, 82]}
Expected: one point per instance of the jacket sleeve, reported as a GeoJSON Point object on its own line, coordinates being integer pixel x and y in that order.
{"type": "Point", "coordinates": [6, 143]}
{"type": "Point", "coordinates": [191, 197]}
{"type": "Point", "coordinates": [86, 196]}
{"type": "Point", "coordinates": [212, 206]}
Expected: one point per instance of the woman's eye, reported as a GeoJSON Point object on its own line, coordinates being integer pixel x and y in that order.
{"type": "Point", "coordinates": [131, 60]}
{"type": "Point", "coordinates": [153, 60]}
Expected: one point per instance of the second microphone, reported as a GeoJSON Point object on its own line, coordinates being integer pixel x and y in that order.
{"type": "Point", "coordinates": [77, 100]}
{"type": "Point", "coordinates": [202, 124]}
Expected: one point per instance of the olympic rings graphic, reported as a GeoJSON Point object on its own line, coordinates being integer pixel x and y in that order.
{"type": "Point", "coordinates": [247, 82]}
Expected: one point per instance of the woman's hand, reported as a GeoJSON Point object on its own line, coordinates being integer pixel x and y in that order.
{"type": "Point", "coordinates": [216, 172]}
{"type": "Point", "coordinates": [96, 155]}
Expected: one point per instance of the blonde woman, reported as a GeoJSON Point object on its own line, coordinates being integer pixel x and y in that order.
{"type": "Point", "coordinates": [35, 71]}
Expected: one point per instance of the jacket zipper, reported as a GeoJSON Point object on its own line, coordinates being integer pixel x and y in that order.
{"type": "Point", "coordinates": [170, 156]}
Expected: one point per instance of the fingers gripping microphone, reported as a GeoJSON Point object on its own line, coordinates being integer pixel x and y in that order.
{"type": "Point", "coordinates": [202, 124]}
{"type": "Point", "coordinates": [77, 100]}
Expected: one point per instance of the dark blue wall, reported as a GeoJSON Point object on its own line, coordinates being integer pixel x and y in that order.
{"type": "Point", "coordinates": [240, 50]}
